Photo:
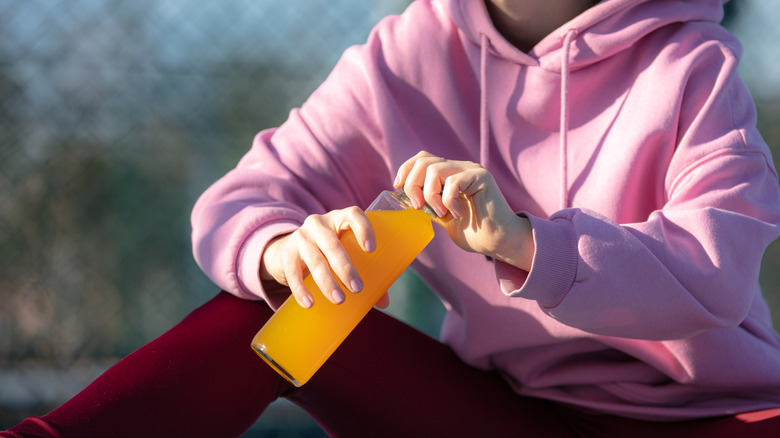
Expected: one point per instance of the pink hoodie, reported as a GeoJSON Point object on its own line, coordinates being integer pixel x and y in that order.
{"type": "Point", "coordinates": [628, 139]}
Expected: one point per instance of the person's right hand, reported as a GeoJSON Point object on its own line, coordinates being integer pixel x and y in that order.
{"type": "Point", "coordinates": [315, 247]}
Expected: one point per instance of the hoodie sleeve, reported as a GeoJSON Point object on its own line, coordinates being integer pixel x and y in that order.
{"type": "Point", "coordinates": [329, 154]}
{"type": "Point", "coordinates": [693, 264]}
{"type": "Point", "coordinates": [289, 173]}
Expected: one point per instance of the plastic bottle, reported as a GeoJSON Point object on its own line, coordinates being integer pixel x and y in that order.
{"type": "Point", "coordinates": [296, 341]}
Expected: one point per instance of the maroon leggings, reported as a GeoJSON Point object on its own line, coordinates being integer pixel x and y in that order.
{"type": "Point", "coordinates": [201, 378]}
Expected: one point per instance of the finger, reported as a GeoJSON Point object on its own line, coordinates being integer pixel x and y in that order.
{"type": "Point", "coordinates": [356, 220]}
{"type": "Point", "coordinates": [415, 181]}
{"type": "Point", "coordinates": [320, 272]}
{"type": "Point", "coordinates": [293, 275]}
{"type": "Point", "coordinates": [468, 182]}
{"type": "Point", "coordinates": [319, 247]}
{"type": "Point", "coordinates": [353, 219]}
{"type": "Point", "coordinates": [451, 194]}
{"type": "Point", "coordinates": [437, 175]}
{"type": "Point", "coordinates": [383, 301]}
{"type": "Point", "coordinates": [406, 168]}
{"type": "Point", "coordinates": [433, 186]}
{"type": "Point", "coordinates": [474, 180]}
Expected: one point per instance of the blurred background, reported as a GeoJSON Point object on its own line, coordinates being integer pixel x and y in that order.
{"type": "Point", "coordinates": [116, 114]}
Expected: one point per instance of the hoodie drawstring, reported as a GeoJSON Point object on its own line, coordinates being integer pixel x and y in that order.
{"type": "Point", "coordinates": [484, 129]}
{"type": "Point", "coordinates": [564, 127]}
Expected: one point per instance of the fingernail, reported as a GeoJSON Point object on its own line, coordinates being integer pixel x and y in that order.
{"type": "Point", "coordinates": [338, 296]}
{"type": "Point", "coordinates": [306, 302]}
{"type": "Point", "coordinates": [415, 204]}
{"type": "Point", "coordinates": [456, 212]}
{"type": "Point", "coordinates": [397, 180]}
{"type": "Point", "coordinates": [438, 211]}
{"type": "Point", "coordinates": [356, 285]}
{"type": "Point", "coordinates": [369, 245]}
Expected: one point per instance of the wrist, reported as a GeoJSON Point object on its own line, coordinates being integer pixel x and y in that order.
{"type": "Point", "coordinates": [519, 247]}
{"type": "Point", "coordinates": [270, 268]}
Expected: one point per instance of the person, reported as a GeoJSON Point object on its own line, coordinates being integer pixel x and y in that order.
{"type": "Point", "coordinates": [607, 198]}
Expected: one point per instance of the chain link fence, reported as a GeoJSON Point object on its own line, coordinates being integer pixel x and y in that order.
{"type": "Point", "coordinates": [116, 114]}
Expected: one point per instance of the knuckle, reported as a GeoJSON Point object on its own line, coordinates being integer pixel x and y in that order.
{"type": "Point", "coordinates": [341, 267]}
{"type": "Point", "coordinates": [296, 237]}
{"type": "Point", "coordinates": [430, 190]}
{"type": "Point", "coordinates": [319, 268]}
{"type": "Point", "coordinates": [329, 246]}
{"type": "Point", "coordinates": [353, 211]}
{"type": "Point", "coordinates": [311, 220]}
{"type": "Point", "coordinates": [451, 181]}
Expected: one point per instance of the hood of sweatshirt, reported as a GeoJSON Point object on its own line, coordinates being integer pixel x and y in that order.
{"type": "Point", "coordinates": [605, 29]}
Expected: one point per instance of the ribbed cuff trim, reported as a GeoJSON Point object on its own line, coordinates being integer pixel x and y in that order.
{"type": "Point", "coordinates": [554, 265]}
{"type": "Point", "coordinates": [248, 264]}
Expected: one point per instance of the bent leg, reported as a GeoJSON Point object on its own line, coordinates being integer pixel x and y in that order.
{"type": "Point", "coordinates": [390, 380]}
{"type": "Point", "coordinates": [201, 378]}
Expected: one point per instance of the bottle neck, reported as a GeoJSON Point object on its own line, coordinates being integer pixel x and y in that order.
{"type": "Point", "coordinates": [400, 202]}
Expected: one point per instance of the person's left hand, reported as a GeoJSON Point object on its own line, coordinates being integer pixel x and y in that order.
{"type": "Point", "coordinates": [471, 207]}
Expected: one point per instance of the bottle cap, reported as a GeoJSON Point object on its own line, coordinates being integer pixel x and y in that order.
{"type": "Point", "coordinates": [392, 201]}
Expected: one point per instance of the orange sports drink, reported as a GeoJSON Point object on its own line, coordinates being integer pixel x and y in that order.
{"type": "Point", "coordinates": [296, 341]}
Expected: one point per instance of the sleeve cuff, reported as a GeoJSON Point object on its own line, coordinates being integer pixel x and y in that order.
{"type": "Point", "coordinates": [554, 266]}
{"type": "Point", "coordinates": [248, 263]}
